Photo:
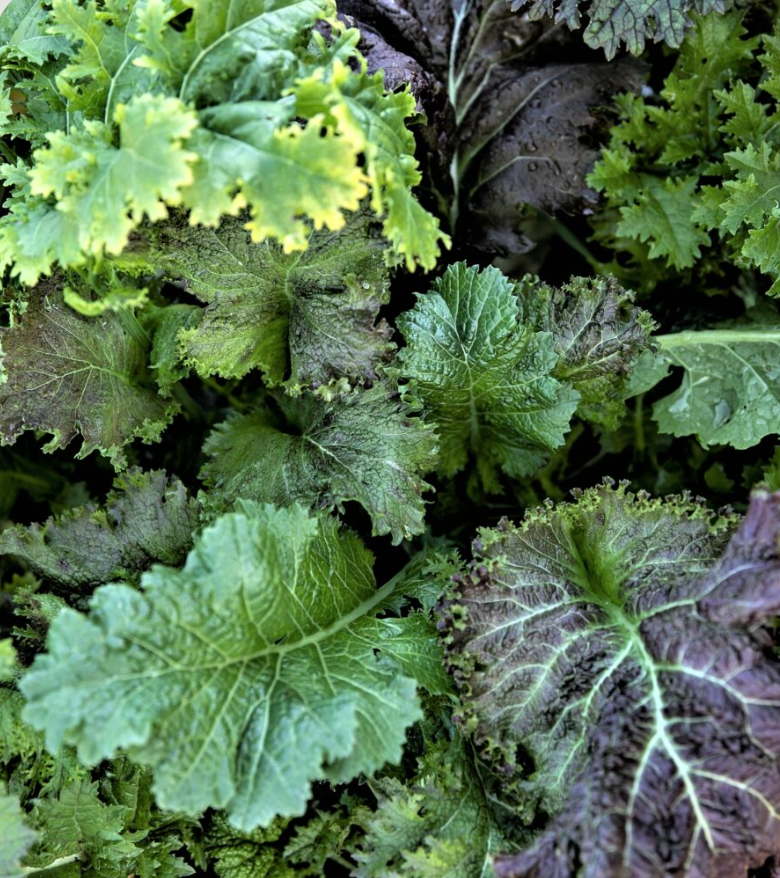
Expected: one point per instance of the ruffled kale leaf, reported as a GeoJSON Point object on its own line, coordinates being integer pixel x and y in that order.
{"type": "Point", "coordinates": [511, 106]}
{"type": "Point", "coordinates": [306, 317]}
{"type": "Point", "coordinates": [367, 446]}
{"type": "Point", "coordinates": [620, 645]}
{"type": "Point", "coordinates": [501, 368]}
{"type": "Point", "coordinates": [257, 668]}
{"type": "Point", "coordinates": [70, 376]}
{"type": "Point", "coordinates": [16, 838]}
{"type": "Point", "coordinates": [148, 517]}
{"type": "Point", "coordinates": [128, 113]}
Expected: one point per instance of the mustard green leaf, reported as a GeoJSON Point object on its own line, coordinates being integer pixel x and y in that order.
{"type": "Point", "coordinates": [366, 446]}
{"type": "Point", "coordinates": [70, 376]}
{"type": "Point", "coordinates": [147, 517]}
{"type": "Point", "coordinates": [242, 677]}
{"type": "Point", "coordinates": [485, 380]}
{"type": "Point", "coordinates": [304, 317]}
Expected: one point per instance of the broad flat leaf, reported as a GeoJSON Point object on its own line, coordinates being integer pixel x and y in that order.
{"type": "Point", "coordinates": [24, 35]}
{"type": "Point", "coordinates": [598, 334]}
{"type": "Point", "coordinates": [730, 390]}
{"type": "Point", "coordinates": [148, 517]}
{"type": "Point", "coordinates": [512, 109]}
{"type": "Point", "coordinates": [365, 446]}
{"type": "Point", "coordinates": [484, 379]}
{"type": "Point", "coordinates": [619, 642]}
{"type": "Point", "coordinates": [15, 836]}
{"type": "Point", "coordinates": [244, 676]}
{"type": "Point", "coordinates": [662, 217]}
{"type": "Point", "coordinates": [106, 191]}
{"type": "Point", "coordinates": [612, 23]}
{"type": "Point", "coordinates": [70, 375]}
{"type": "Point", "coordinates": [308, 317]}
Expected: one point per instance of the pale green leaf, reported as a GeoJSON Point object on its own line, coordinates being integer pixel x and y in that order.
{"type": "Point", "coordinates": [15, 836]}
{"type": "Point", "coordinates": [730, 388]}
{"type": "Point", "coordinates": [242, 677]}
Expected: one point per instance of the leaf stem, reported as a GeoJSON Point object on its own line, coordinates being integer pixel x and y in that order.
{"type": "Point", "coordinates": [568, 237]}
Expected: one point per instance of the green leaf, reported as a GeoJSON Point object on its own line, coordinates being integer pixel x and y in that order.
{"type": "Point", "coordinates": [106, 191]}
{"type": "Point", "coordinates": [612, 23]}
{"type": "Point", "coordinates": [8, 662]}
{"type": "Point", "coordinates": [598, 334]}
{"type": "Point", "coordinates": [365, 446]}
{"type": "Point", "coordinates": [598, 640]}
{"type": "Point", "coordinates": [70, 375]}
{"type": "Point", "coordinates": [100, 70]}
{"type": "Point", "coordinates": [24, 35]}
{"type": "Point", "coordinates": [484, 380]}
{"type": "Point", "coordinates": [241, 678]}
{"type": "Point", "coordinates": [147, 518]}
{"type": "Point", "coordinates": [250, 854]}
{"type": "Point", "coordinates": [436, 824]}
{"type": "Point", "coordinates": [307, 317]}
{"type": "Point", "coordinates": [379, 119]}
{"type": "Point", "coordinates": [755, 192]}
{"type": "Point", "coordinates": [662, 216]}
{"type": "Point", "coordinates": [730, 392]}
{"type": "Point", "coordinates": [16, 837]}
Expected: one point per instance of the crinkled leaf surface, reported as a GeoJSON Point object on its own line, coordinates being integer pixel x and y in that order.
{"type": "Point", "coordinates": [149, 517]}
{"type": "Point", "coordinates": [70, 375]}
{"type": "Point", "coordinates": [365, 446]}
{"type": "Point", "coordinates": [619, 642]}
{"type": "Point", "coordinates": [307, 317]}
{"type": "Point", "coordinates": [16, 837]}
{"type": "Point", "coordinates": [242, 677]}
{"type": "Point", "coordinates": [484, 379]}
{"type": "Point", "coordinates": [105, 191]}
{"type": "Point", "coordinates": [437, 824]}
{"type": "Point", "coordinates": [730, 389]}
{"type": "Point", "coordinates": [613, 23]}
{"type": "Point", "coordinates": [598, 334]}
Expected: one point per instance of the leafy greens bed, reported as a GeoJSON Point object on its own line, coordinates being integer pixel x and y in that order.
{"type": "Point", "coordinates": [389, 405]}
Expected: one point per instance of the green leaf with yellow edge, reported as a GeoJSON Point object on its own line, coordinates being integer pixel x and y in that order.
{"type": "Point", "coordinates": [107, 191]}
